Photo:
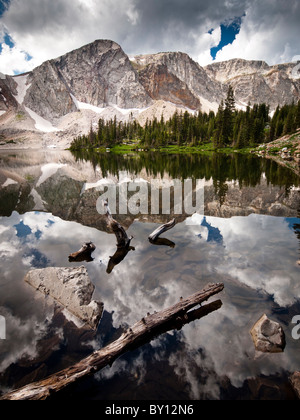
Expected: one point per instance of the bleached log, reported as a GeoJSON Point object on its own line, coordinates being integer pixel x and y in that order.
{"type": "Point", "coordinates": [122, 238]}
{"type": "Point", "coordinates": [143, 331]}
{"type": "Point", "coordinates": [161, 229]}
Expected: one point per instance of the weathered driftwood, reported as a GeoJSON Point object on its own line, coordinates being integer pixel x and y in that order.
{"type": "Point", "coordinates": [118, 256]}
{"type": "Point", "coordinates": [123, 240]}
{"type": "Point", "coordinates": [161, 229]}
{"type": "Point", "coordinates": [163, 242]}
{"type": "Point", "coordinates": [84, 254]}
{"type": "Point", "coordinates": [143, 331]}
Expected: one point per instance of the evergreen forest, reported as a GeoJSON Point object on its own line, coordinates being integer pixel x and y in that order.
{"type": "Point", "coordinates": [229, 127]}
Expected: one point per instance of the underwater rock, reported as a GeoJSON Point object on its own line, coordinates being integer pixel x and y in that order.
{"type": "Point", "coordinates": [295, 381]}
{"type": "Point", "coordinates": [268, 336]}
{"type": "Point", "coordinates": [70, 287]}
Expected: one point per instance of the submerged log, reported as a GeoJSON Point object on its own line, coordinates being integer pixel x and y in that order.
{"type": "Point", "coordinates": [123, 240]}
{"type": "Point", "coordinates": [84, 254]}
{"type": "Point", "coordinates": [140, 333]}
{"type": "Point", "coordinates": [118, 256]}
{"type": "Point", "coordinates": [163, 242]}
{"type": "Point", "coordinates": [160, 230]}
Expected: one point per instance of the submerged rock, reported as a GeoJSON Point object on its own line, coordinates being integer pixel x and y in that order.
{"type": "Point", "coordinates": [268, 336]}
{"type": "Point", "coordinates": [295, 381]}
{"type": "Point", "coordinates": [72, 288]}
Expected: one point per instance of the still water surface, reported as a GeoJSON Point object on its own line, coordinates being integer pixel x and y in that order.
{"type": "Point", "coordinates": [247, 238]}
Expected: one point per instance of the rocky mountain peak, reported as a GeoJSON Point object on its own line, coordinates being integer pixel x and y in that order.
{"type": "Point", "coordinates": [194, 77]}
{"type": "Point", "coordinates": [257, 82]}
{"type": "Point", "coordinates": [98, 74]}
{"type": "Point", "coordinates": [226, 70]}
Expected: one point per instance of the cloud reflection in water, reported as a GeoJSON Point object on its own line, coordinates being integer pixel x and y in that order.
{"type": "Point", "coordinates": [256, 259]}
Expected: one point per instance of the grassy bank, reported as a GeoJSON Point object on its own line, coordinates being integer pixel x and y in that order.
{"type": "Point", "coordinates": [171, 149]}
{"type": "Point", "coordinates": [285, 150]}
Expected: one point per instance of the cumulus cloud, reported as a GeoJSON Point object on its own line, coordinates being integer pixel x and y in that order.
{"type": "Point", "coordinates": [269, 31]}
{"type": "Point", "coordinates": [15, 60]}
{"type": "Point", "coordinates": [45, 29]}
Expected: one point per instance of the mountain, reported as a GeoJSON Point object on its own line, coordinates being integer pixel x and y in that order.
{"type": "Point", "coordinates": [194, 79]}
{"type": "Point", "coordinates": [61, 98]}
{"type": "Point", "coordinates": [257, 82]}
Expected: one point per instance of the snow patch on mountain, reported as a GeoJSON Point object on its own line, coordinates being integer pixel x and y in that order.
{"type": "Point", "coordinates": [40, 123]}
{"type": "Point", "coordinates": [22, 87]}
{"type": "Point", "coordinates": [83, 105]}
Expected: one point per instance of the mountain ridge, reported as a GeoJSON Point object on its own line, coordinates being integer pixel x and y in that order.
{"type": "Point", "coordinates": [62, 97]}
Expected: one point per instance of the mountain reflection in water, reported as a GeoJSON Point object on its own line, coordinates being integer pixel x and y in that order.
{"type": "Point", "coordinates": [248, 239]}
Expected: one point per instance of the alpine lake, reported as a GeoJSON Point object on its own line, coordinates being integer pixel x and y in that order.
{"type": "Point", "coordinates": [247, 236]}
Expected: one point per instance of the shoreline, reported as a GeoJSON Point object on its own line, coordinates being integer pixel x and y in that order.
{"type": "Point", "coordinates": [285, 151]}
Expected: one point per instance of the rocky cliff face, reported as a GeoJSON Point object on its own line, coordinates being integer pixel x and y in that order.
{"type": "Point", "coordinates": [61, 98]}
{"type": "Point", "coordinates": [252, 81]}
{"type": "Point", "coordinates": [257, 82]}
{"type": "Point", "coordinates": [191, 74]}
{"type": "Point", "coordinates": [98, 74]}
{"type": "Point", "coordinates": [161, 84]}
{"type": "Point", "coordinates": [47, 94]}
{"type": "Point", "coordinates": [7, 91]}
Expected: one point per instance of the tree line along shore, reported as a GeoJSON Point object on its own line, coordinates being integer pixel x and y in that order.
{"type": "Point", "coordinates": [228, 128]}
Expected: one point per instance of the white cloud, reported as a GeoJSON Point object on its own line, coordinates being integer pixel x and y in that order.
{"type": "Point", "coordinates": [269, 32]}
{"type": "Point", "coordinates": [15, 60]}
{"type": "Point", "coordinates": [45, 29]}
{"type": "Point", "coordinates": [204, 45]}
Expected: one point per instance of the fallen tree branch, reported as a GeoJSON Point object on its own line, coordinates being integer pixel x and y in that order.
{"type": "Point", "coordinates": [122, 238]}
{"type": "Point", "coordinates": [143, 331]}
{"type": "Point", "coordinates": [123, 241]}
{"type": "Point", "coordinates": [84, 254]}
{"type": "Point", "coordinates": [161, 229]}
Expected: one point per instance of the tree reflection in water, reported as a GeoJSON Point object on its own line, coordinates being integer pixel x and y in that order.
{"type": "Point", "coordinates": [221, 168]}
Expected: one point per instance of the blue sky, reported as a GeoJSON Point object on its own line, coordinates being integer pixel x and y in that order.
{"type": "Point", "coordinates": [3, 4]}
{"type": "Point", "coordinates": [32, 31]}
{"type": "Point", "coordinates": [229, 31]}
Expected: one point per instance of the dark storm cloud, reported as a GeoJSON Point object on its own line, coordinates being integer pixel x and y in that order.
{"type": "Point", "coordinates": [48, 28]}
{"type": "Point", "coordinates": [175, 24]}
{"type": "Point", "coordinates": [36, 16]}
{"type": "Point", "coordinates": [139, 25]}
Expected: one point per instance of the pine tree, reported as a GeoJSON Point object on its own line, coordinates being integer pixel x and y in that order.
{"type": "Point", "coordinates": [289, 121]}
{"type": "Point", "coordinates": [218, 133]}
{"type": "Point", "coordinates": [297, 116]}
{"type": "Point", "coordinates": [227, 134]}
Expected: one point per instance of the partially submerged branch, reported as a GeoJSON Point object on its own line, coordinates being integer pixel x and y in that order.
{"type": "Point", "coordinates": [84, 254]}
{"type": "Point", "coordinates": [140, 333]}
{"type": "Point", "coordinates": [117, 228]}
{"type": "Point", "coordinates": [161, 229]}
{"type": "Point", "coordinates": [123, 241]}
{"type": "Point", "coordinates": [118, 256]}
